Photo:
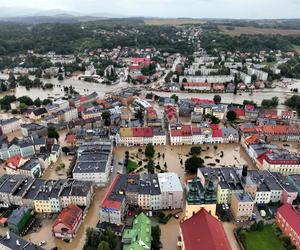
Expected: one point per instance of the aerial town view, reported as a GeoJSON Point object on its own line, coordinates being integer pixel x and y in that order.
{"type": "Point", "coordinates": [149, 125]}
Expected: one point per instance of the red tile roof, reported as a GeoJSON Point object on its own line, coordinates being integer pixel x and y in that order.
{"type": "Point", "coordinates": [108, 203]}
{"type": "Point", "coordinates": [217, 133]}
{"type": "Point", "coordinates": [196, 84]}
{"type": "Point", "coordinates": [71, 138]}
{"type": "Point", "coordinates": [204, 232]}
{"type": "Point", "coordinates": [69, 216]}
{"type": "Point", "coordinates": [291, 216]}
{"type": "Point", "coordinates": [202, 101]}
{"type": "Point", "coordinates": [14, 160]}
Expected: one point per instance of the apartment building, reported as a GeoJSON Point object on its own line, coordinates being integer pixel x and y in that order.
{"type": "Point", "coordinates": [148, 191]}
{"type": "Point", "coordinates": [242, 206]}
{"type": "Point", "coordinates": [94, 160]}
{"type": "Point", "coordinates": [10, 125]}
{"type": "Point", "coordinates": [288, 220]}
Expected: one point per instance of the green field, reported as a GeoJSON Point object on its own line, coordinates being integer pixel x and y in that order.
{"type": "Point", "coordinates": [266, 239]}
{"type": "Point", "coordinates": [297, 48]}
{"type": "Point", "coordinates": [132, 165]}
{"type": "Point", "coordinates": [172, 21]}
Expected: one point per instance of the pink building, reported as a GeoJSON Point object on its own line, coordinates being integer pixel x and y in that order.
{"type": "Point", "coordinates": [68, 222]}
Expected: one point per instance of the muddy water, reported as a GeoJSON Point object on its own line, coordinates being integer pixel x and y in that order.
{"type": "Point", "coordinates": [233, 155]}
{"type": "Point", "coordinates": [80, 86]}
{"type": "Point", "coordinates": [258, 95]}
{"type": "Point", "coordinates": [90, 220]}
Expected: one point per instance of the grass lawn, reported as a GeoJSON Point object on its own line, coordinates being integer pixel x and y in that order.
{"type": "Point", "coordinates": [297, 48]}
{"type": "Point", "coordinates": [266, 239]}
{"type": "Point", "coordinates": [132, 165]}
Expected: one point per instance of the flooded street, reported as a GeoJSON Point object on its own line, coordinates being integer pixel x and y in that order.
{"type": "Point", "coordinates": [80, 86]}
{"type": "Point", "coordinates": [258, 95]}
{"type": "Point", "coordinates": [90, 220]}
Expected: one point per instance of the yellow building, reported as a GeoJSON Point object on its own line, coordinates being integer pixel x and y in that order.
{"type": "Point", "coordinates": [242, 206]}
{"type": "Point", "coordinates": [42, 205]}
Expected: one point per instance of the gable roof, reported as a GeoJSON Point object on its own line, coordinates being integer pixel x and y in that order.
{"type": "Point", "coordinates": [68, 216]}
{"type": "Point", "coordinates": [202, 231]}
{"type": "Point", "coordinates": [291, 215]}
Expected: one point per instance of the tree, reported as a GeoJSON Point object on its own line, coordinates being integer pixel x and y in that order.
{"type": "Point", "coordinates": [215, 120]}
{"type": "Point", "coordinates": [193, 163]}
{"type": "Point", "coordinates": [155, 233]}
{"type": "Point", "coordinates": [150, 151]}
{"type": "Point", "coordinates": [253, 78]}
{"type": "Point", "coordinates": [103, 246]}
{"type": "Point", "coordinates": [37, 102]}
{"type": "Point", "coordinates": [60, 77]}
{"type": "Point", "coordinates": [253, 227]}
{"type": "Point", "coordinates": [47, 101]}
{"type": "Point", "coordinates": [106, 117]}
{"type": "Point", "coordinates": [22, 107]}
{"type": "Point", "coordinates": [150, 167]}
{"type": "Point", "coordinates": [92, 239]}
{"type": "Point", "coordinates": [231, 115]}
{"type": "Point", "coordinates": [175, 97]}
{"type": "Point", "coordinates": [52, 133]}
{"type": "Point", "coordinates": [270, 103]}
{"type": "Point", "coordinates": [260, 225]}
{"type": "Point", "coordinates": [217, 99]}
{"type": "Point", "coordinates": [26, 100]}
{"type": "Point", "coordinates": [110, 237]}
{"type": "Point", "coordinates": [195, 150]}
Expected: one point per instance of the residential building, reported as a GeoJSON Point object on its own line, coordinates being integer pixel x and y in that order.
{"type": "Point", "coordinates": [148, 191]}
{"type": "Point", "coordinates": [138, 237]}
{"type": "Point", "coordinates": [23, 147]}
{"type": "Point", "coordinates": [10, 125]}
{"type": "Point", "coordinates": [94, 160]}
{"type": "Point", "coordinates": [12, 242]}
{"type": "Point", "coordinates": [19, 219]}
{"type": "Point", "coordinates": [242, 206]}
{"type": "Point", "coordinates": [288, 220]}
{"type": "Point", "coordinates": [68, 222]}
{"type": "Point", "coordinates": [261, 75]}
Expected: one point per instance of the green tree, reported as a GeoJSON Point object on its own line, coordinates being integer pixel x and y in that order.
{"type": "Point", "coordinates": [110, 237]}
{"type": "Point", "coordinates": [60, 77]}
{"type": "Point", "coordinates": [193, 163]}
{"type": "Point", "coordinates": [253, 78]}
{"type": "Point", "coordinates": [47, 101]}
{"type": "Point", "coordinates": [103, 246]}
{"type": "Point", "coordinates": [231, 115]}
{"type": "Point", "coordinates": [155, 233]}
{"type": "Point", "coordinates": [217, 99]}
{"type": "Point", "coordinates": [37, 102]}
{"type": "Point", "coordinates": [106, 118]}
{"type": "Point", "coordinates": [175, 97]}
{"type": "Point", "coordinates": [92, 240]}
{"type": "Point", "coordinates": [195, 150]}
{"type": "Point", "coordinates": [26, 100]}
{"type": "Point", "coordinates": [22, 107]}
{"type": "Point", "coordinates": [260, 225]}
{"type": "Point", "coordinates": [150, 151]}
{"type": "Point", "coordinates": [52, 133]}
{"type": "Point", "coordinates": [215, 120]}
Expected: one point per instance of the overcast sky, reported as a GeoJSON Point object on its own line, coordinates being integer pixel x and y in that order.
{"type": "Point", "coordinates": [171, 8]}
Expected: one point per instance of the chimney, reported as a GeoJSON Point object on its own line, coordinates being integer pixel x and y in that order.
{"type": "Point", "coordinates": [7, 235]}
{"type": "Point", "coordinates": [245, 171]}
{"type": "Point", "coordinates": [18, 243]}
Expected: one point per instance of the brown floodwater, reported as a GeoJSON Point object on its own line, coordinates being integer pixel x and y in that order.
{"type": "Point", "coordinates": [90, 220]}
{"type": "Point", "coordinates": [234, 154]}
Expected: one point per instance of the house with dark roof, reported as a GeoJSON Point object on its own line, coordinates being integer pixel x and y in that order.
{"type": "Point", "coordinates": [19, 219]}
{"type": "Point", "coordinates": [12, 241]}
{"type": "Point", "coordinates": [202, 231]}
{"type": "Point", "coordinates": [38, 113]}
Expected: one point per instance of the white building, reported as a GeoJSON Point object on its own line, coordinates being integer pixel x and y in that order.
{"type": "Point", "coordinates": [261, 75]}
{"type": "Point", "coordinates": [10, 125]}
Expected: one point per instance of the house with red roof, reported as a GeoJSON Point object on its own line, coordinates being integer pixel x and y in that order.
{"type": "Point", "coordinates": [202, 231]}
{"type": "Point", "coordinates": [13, 164]}
{"type": "Point", "coordinates": [68, 222]}
{"type": "Point", "coordinates": [288, 220]}
{"type": "Point", "coordinates": [200, 86]}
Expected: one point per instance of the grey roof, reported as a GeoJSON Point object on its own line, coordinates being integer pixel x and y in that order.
{"type": "Point", "coordinates": [17, 215]}
{"type": "Point", "coordinates": [33, 191]}
{"type": "Point", "coordinates": [30, 164]}
{"type": "Point", "coordinates": [39, 111]}
{"type": "Point", "coordinates": [8, 121]}
{"type": "Point", "coordinates": [243, 197]}
{"type": "Point", "coordinates": [11, 243]}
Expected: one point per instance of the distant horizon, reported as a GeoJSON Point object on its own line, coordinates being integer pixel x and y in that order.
{"type": "Point", "coordinates": [195, 9]}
